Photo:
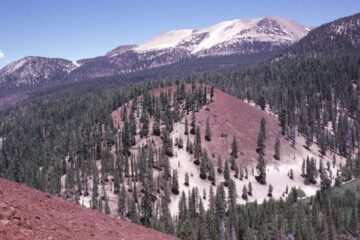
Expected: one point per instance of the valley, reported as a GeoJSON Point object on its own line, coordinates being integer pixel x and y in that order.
{"type": "Point", "coordinates": [244, 129]}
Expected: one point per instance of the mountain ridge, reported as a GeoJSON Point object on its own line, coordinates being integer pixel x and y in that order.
{"type": "Point", "coordinates": [241, 37]}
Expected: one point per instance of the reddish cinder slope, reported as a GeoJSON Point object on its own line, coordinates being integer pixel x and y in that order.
{"type": "Point", "coordinates": [26, 213]}
{"type": "Point", "coordinates": [231, 117]}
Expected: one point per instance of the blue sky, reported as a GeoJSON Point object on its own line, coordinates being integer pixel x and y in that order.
{"type": "Point", "coordinates": [75, 29]}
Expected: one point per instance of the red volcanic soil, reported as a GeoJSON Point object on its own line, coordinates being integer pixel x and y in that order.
{"type": "Point", "coordinates": [231, 117]}
{"type": "Point", "coordinates": [26, 213]}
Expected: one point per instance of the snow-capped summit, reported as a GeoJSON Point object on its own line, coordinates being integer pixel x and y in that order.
{"type": "Point", "coordinates": [274, 30]}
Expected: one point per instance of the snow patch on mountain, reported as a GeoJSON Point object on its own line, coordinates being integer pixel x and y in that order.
{"type": "Point", "coordinates": [76, 64]}
{"type": "Point", "coordinates": [166, 40]}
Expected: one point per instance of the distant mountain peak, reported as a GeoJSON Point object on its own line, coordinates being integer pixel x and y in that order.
{"type": "Point", "coordinates": [273, 29]}
{"type": "Point", "coordinates": [32, 70]}
{"type": "Point", "coordinates": [237, 36]}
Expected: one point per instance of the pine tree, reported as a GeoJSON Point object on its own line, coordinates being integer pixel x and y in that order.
{"type": "Point", "coordinates": [212, 176]}
{"type": "Point", "coordinates": [277, 149]}
{"type": "Point", "coordinates": [233, 216]}
{"type": "Point", "coordinates": [226, 173]}
{"type": "Point", "coordinates": [291, 174]}
{"type": "Point", "coordinates": [211, 93]}
{"type": "Point", "coordinates": [311, 172]}
{"type": "Point", "coordinates": [234, 148]}
{"type": "Point", "coordinates": [261, 168]}
{"type": "Point", "coordinates": [262, 102]}
{"type": "Point", "coordinates": [197, 144]}
{"type": "Point", "coordinates": [116, 181]}
{"type": "Point", "coordinates": [122, 202]}
{"type": "Point", "coordinates": [193, 123]}
{"type": "Point", "coordinates": [261, 165]}
{"type": "Point", "coordinates": [186, 183]}
{"type": "Point", "coordinates": [95, 188]}
{"type": "Point", "coordinates": [146, 208]}
{"type": "Point", "coordinates": [244, 193]}
{"type": "Point", "coordinates": [249, 189]}
{"type": "Point", "coordinates": [232, 163]}
{"type": "Point", "coordinates": [261, 138]}
{"type": "Point", "coordinates": [175, 183]}
{"type": "Point", "coordinates": [189, 147]}
{"type": "Point", "coordinates": [183, 207]}
{"type": "Point", "coordinates": [193, 203]}
{"type": "Point", "coordinates": [220, 202]}
{"type": "Point", "coordinates": [126, 137]}
{"type": "Point", "coordinates": [270, 190]}
{"type": "Point", "coordinates": [133, 213]}
{"type": "Point", "coordinates": [353, 225]}
{"type": "Point", "coordinates": [208, 131]}
{"type": "Point", "coordinates": [220, 165]}
{"type": "Point", "coordinates": [156, 124]}
{"type": "Point", "coordinates": [204, 165]}
{"type": "Point", "coordinates": [186, 132]}
{"type": "Point", "coordinates": [107, 207]}
{"type": "Point", "coordinates": [145, 124]}
{"type": "Point", "coordinates": [132, 127]}
{"type": "Point", "coordinates": [308, 137]}
{"type": "Point", "coordinates": [168, 142]}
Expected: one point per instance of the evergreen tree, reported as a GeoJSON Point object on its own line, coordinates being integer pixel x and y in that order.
{"type": "Point", "coordinates": [261, 165]}
{"type": "Point", "coordinates": [249, 189]}
{"type": "Point", "coordinates": [175, 183]}
{"type": "Point", "coordinates": [146, 208]}
{"type": "Point", "coordinates": [122, 202]}
{"type": "Point", "coordinates": [144, 120]}
{"type": "Point", "coordinates": [220, 165]}
{"type": "Point", "coordinates": [156, 124]}
{"type": "Point", "coordinates": [211, 93]}
{"type": "Point", "coordinates": [261, 168]}
{"type": "Point", "coordinates": [208, 130]}
{"type": "Point", "coordinates": [212, 176]}
{"type": "Point", "coordinates": [168, 143]}
{"type": "Point", "coordinates": [95, 188]}
{"type": "Point", "coordinates": [193, 123]}
{"type": "Point", "coordinates": [197, 145]}
{"type": "Point", "coordinates": [187, 181]}
{"type": "Point", "coordinates": [270, 190]}
{"type": "Point", "coordinates": [291, 174]}
{"type": "Point", "coordinates": [261, 138]}
{"type": "Point", "coordinates": [126, 137]}
{"type": "Point", "coordinates": [244, 193]}
{"type": "Point", "coordinates": [204, 165]}
{"type": "Point", "coordinates": [277, 149]}
{"type": "Point", "coordinates": [186, 127]}
{"type": "Point", "coordinates": [107, 207]}
{"type": "Point", "coordinates": [234, 148]}
{"type": "Point", "coordinates": [226, 173]}
{"type": "Point", "coordinates": [183, 207]}
{"type": "Point", "coordinates": [232, 163]}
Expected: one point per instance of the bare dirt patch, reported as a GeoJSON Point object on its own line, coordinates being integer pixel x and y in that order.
{"type": "Point", "coordinates": [26, 213]}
